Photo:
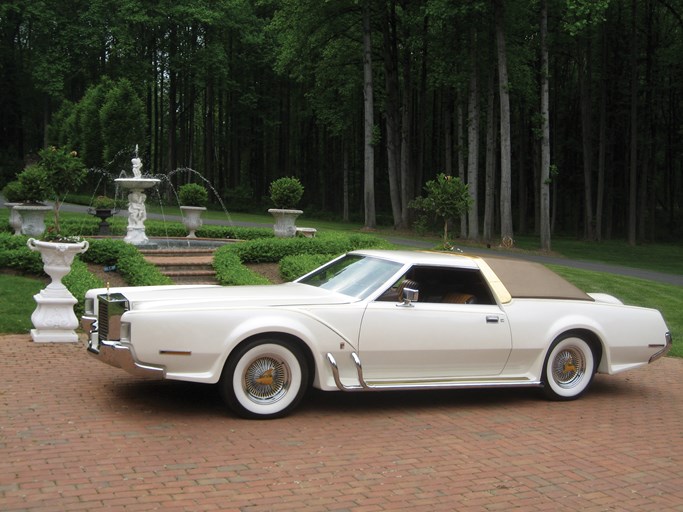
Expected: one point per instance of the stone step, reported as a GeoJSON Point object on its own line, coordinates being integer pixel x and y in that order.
{"type": "Point", "coordinates": [191, 266]}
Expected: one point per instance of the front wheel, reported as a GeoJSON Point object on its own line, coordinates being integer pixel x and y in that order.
{"type": "Point", "coordinates": [264, 379]}
{"type": "Point", "coordinates": [568, 369]}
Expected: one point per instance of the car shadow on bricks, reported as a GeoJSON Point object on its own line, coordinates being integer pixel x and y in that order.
{"type": "Point", "coordinates": [188, 398]}
{"type": "Point", "coordinates": [422, 400]}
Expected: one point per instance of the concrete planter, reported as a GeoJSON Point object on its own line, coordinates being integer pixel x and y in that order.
{"type": "Point", "coordinates": [14, 217]}
{"type": "Point", "coordinates": [54, 318]}
{"type": "Point", "coordinates": [192, 218]}
{"type": "Point", "coordinates": [285, 222]}
{"type": "Point", "coordinates": [32, 218]}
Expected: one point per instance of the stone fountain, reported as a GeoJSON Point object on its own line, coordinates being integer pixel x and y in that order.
{"type": "Point", "coordinates": [137, 213]}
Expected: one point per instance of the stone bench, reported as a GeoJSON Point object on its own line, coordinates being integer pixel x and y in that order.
{"type": "Point", "coordinates": [307, 232]}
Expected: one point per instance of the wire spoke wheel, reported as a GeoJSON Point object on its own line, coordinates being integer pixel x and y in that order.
{"type": "Point", "coordinates": [266, 379]}
{"type": "Point", "coordinates": [569, 367]}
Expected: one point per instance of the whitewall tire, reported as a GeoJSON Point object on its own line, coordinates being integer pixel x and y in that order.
{"type": "Point", "coordinates": [264, 379]}
{"type": "Point", "coordinates": [569, 368]}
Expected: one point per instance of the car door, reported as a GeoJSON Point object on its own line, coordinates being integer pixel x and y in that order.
{"type": "Point", "coordinates": [433, 340]}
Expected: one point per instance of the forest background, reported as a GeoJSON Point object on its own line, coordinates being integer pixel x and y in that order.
{"type": "Point", "coordinates": [562, 116]}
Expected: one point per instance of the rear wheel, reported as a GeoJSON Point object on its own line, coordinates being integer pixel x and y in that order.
{"type": "Point", "coordinates": [266, 378]}
{"type": "Point", "coordinates": [568, 369]}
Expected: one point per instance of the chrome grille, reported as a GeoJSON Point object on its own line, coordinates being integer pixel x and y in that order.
{"type": "Point", "coordinates": [111, 307]}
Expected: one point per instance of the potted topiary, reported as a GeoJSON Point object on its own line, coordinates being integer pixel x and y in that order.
{"type": "Point", "coordinates": [285, 194]}
{"type": "Point", "coordinates": [34, 188]}
{"type": "Point", "coordinates": [103, 207]}
{"type": "Point", "coordinates": [58, 172]}
{"type": "Point", "coordinates": [193, 200]}
{"type": "Point", "coordinates": [13, 194]}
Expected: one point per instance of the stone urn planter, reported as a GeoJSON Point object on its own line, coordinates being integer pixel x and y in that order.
{"type": "Point", "coordinates": [285, 193]}
{"type": "Point", "coordinates": [54, 318]}
{"type": "Point", "coordinates": [103, 214]}
{"type": "Point", "coordinates": [285, 221]}
{"type": "Point", "coordinates": [14, 218]}
{"type": "Point", "coordinates": [32, 218]}
{"type": "Point", "coordinates": [192, 218]}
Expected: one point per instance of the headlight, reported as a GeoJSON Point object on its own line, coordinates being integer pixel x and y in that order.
{"type": "Point", "coordinates": [89, 306]}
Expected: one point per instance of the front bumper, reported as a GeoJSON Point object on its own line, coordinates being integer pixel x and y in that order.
{"type": "Point", "coordinates": [121, 355]}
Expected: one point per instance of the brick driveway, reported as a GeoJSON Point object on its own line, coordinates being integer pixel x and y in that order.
{"type": "Point", "coordinates": [78, 435]}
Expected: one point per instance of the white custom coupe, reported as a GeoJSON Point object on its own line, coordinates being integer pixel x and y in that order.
{"type": "Point", "coordinates": [371, 321]}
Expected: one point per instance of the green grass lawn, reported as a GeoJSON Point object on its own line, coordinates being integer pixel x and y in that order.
{"type": "Point", "coordinates": [667, 258]}
{"type": "Point", "coordinates": [16, 302]}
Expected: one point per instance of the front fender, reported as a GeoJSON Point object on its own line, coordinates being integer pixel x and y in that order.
{"type": "Point", "coordinates": [194, 345]}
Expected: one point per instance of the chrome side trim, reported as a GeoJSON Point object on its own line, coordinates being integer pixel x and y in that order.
{"type": "Point", "coordinates": [418, 384]}
{"type": "Point", "coordinates": [122, 355]}
{"type": "Point", "coordinates": [665, 350]}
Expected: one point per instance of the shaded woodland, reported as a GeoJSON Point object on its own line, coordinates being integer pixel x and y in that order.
{"type": "Point", "coordinates": [564, 117]}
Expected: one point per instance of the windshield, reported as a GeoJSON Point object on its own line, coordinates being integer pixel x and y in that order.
{"type": "Point", "coordinates": [354, 275]}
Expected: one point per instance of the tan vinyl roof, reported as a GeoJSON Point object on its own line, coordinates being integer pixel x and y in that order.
{"type": "Point", "coordinates": [526, 279]}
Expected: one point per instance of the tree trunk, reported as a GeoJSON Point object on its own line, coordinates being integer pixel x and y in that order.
{"type": "Point", "coordinates": [506, 232]}
{"type": "Point", "coordinates": [172, 104]}
{"type": "Point", "coordinates": [393, 110]}
{"type": "Point", "coordinates": [602, 142]}
{"type": "Point", "coordinates": [491, 139]}
{"type": "Point", "coordinates": [369, 122]}
{"type": "Point", "coordinates": [448, 131]}
{"type": "Point", "coordinates": [586, 137]}
{"type": "Point", "coordinates": [633, 163]}
{"type": "Point", "coordinates": [473, 142]}
{"type": "Point", "coordinates": [345, 185]}
{"type": "Point", "coordinates": [545, 133]}
{"type": "Point", "coordinates": [461, 160]}
{"type": "Point", "coordinates": [406, 145]}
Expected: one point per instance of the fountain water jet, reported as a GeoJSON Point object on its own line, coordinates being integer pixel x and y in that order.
{"type": "Point", "coordinates": [137, 213]}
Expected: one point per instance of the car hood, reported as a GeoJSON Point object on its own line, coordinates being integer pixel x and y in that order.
{"type": "Point", "coordinates": [173, 297]}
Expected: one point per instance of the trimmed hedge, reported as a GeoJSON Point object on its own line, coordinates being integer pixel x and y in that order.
{"type": "Point", "coordinates": [261, 246]}
{"type": "Point", "coordinates": [293, 267]}
{"type": "Point", "coordinates": [128, 260]}
{"type": "Point", "coordinates": [15, 254]}
{"type": "Point", "coordinates": [87, 225]}
{"type": "Point", "coordinates": [79, 281]}
{"type": "Point", "coordinates": [231, 272]}
{"type": "Point", "coordinates": [229, 259]}
{"type": "Point", "coordinates": [273, 250]}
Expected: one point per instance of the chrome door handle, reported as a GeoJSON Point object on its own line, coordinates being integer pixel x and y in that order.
{"type": "Point", "coordinates": [492, 319]}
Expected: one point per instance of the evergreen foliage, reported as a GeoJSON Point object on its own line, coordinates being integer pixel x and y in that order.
{"type": "Point", "coordinates": [244, 92]}
{"type": "Point", "coordinates": [193, 194]}
{"type": "Point", "coordinates": [286, 192]}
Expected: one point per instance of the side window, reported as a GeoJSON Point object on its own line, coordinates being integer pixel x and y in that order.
{"type": "Point", "coordinates": [451, 285]}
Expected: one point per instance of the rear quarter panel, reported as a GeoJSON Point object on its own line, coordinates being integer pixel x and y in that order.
{"type": "Point", "coordinates": [624, 332]}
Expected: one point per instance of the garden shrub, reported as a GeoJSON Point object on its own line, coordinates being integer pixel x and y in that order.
{"type": "Point", "coordinates": [15, 254]}
{"type": "Point", "coordinates": [193, 194]}
{"type": "Point", "coordinates": [273, 250]}
{"type": "Point", "coordinates": [230, 271]}
{"type": "Point", "coordinates": [79, 281]}
{"type": "Point", "coordinates": [128, 260]}
{"type": "Point", "coordinates": [229, 259]}
{"type": "Point", "coordinates": [293, 267]}
{"type": "Point", "coordinates": [286, 192]}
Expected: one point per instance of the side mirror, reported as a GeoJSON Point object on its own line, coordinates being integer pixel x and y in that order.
{"type": "Point", "coordinates": [410, 295]}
